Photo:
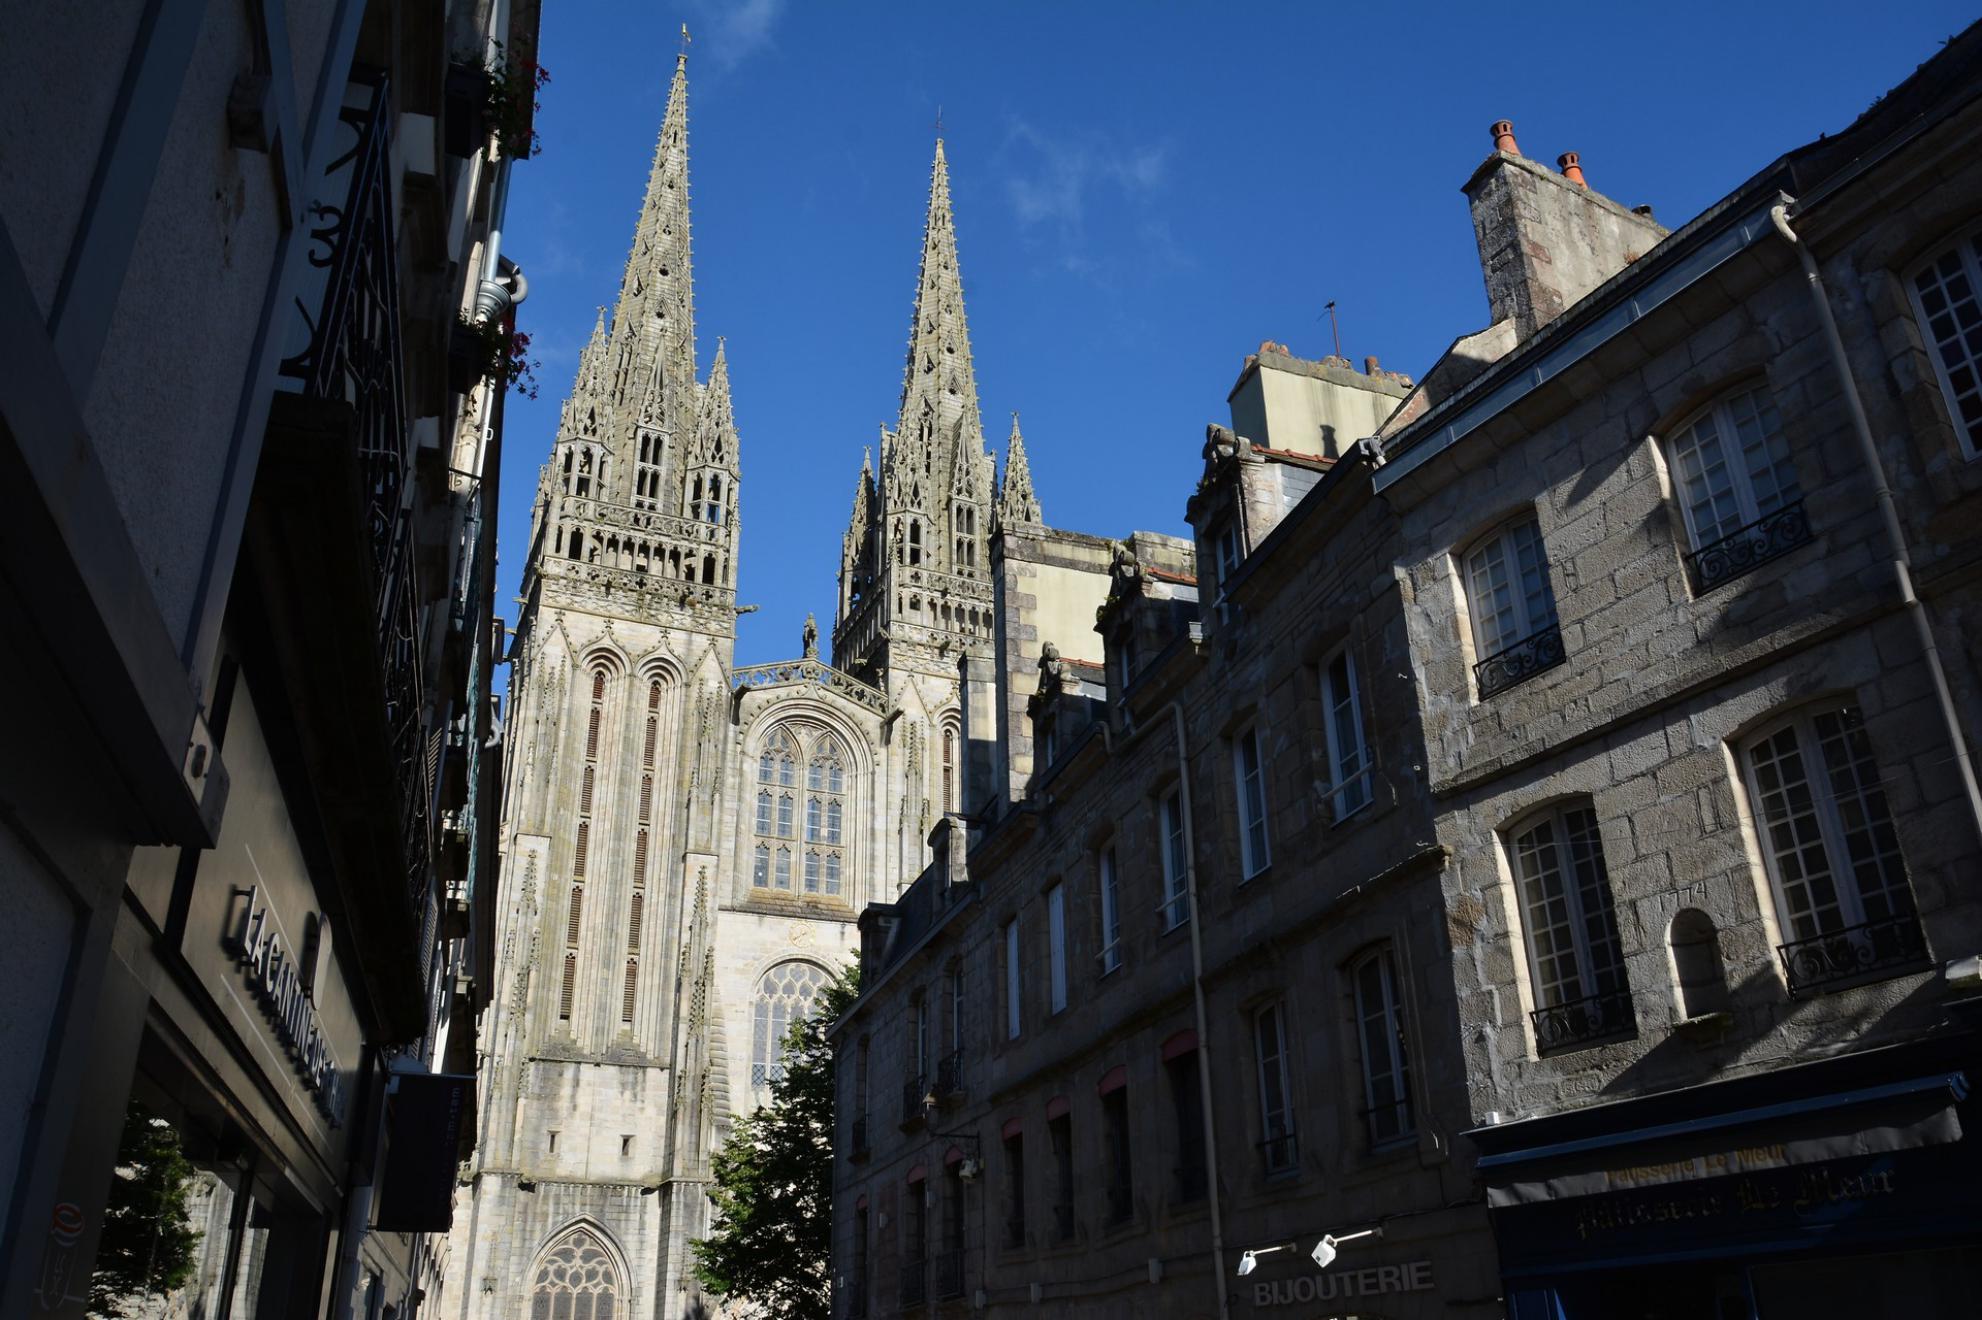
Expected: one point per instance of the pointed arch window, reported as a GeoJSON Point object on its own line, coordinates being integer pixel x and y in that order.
{"type": "Point", "coordinates": [784, 996]}
{"type": "Point", "coordinates": [813, 815]}
{"type": "Point", "coordinates": [577, 1280]}
{"type": "Point", "coordinates": [647, 472]}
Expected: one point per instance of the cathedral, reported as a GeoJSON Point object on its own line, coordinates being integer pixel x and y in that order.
{"type": "Point", "coordinates": [687, 843]}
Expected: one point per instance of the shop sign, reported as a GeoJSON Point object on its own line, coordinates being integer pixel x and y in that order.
{"type": "Point", "coordinates": [1337, 1285]}
{"type": "Point", "coordinates": [276, 980]}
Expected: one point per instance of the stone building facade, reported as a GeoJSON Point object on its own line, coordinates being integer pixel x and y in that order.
{"type": "Point", "coordinates": [686, 842]}
{"type": "Point", "coordinates": [1544, 830]}
{"type": "Point", "coordinates": [247, 477]}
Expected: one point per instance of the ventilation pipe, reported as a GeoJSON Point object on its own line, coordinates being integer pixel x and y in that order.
{"type": "Point", "coordinates": [1888, 510]}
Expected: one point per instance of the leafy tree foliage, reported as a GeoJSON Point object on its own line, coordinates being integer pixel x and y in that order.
{"type": "Point", "coordinates": [148, 1247]}
{"type": "Point", "coordinates": [771, 1243]}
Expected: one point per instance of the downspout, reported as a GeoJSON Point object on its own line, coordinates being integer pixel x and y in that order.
{"type": "Point", "coordinates": [1203, 1018]}
{"type": "Point", "coordinates": [1888, 510]}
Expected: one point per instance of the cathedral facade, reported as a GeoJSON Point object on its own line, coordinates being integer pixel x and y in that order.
{"type": "Point", "coordinates": [687, 843]}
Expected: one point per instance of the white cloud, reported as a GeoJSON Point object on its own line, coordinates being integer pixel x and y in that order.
{"type": "Point", "coordinates": [1055, 178]}
{"type": "Point", "coordinates": [731, 31]}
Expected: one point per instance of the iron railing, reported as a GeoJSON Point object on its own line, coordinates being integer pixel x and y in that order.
{"type": "Point", "coordinates": [1539, 650]}
{"type": "Point", "coordinates": [915, 1282]}
{"type": "Point", "coordinates": [1856, 952]}
{"type": "Point", "coordinates": [949, 1273]}
{"type": "Point", "coordinates": [1606, 1015]}
{"type": "Point", "coordinates": [1747, 548]}
{"type": "Point", "coordinates": [914, 1089]}
{"type": "Point", "coordinates": [1280, 1152]}
{"type": "Point", "coordinates": [949, 1075]}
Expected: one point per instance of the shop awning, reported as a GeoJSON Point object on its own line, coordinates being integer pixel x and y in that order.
{"type": "Point", "coordinates": [1869, 1120]}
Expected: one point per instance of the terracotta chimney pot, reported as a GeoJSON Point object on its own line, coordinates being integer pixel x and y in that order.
{"type": "Point", "coordinates": [1503, 137]}
{"type": "Point", "coordinates": [1371, 366]}
{"type": "Point", "coordinates": [1571, 165]}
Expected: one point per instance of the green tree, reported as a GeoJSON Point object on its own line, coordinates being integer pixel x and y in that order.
{"type": "Point", "coordinates": [148, 1246]}
{"type": "Point", "coordinates": [771, 1244]}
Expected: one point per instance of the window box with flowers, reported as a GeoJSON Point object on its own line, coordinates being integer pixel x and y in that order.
{"type": "Point", "coordinates": [490, 350]}
{"type": "Point", "coordinates": [493, 95]}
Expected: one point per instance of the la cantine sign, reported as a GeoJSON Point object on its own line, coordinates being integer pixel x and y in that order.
{"type": "Point", "coordinates": [1338, 1285]}
{"type": "Point", "coordinates": [276, 980]}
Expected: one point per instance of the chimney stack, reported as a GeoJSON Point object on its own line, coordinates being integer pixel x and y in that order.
{"type": "Point", "coordinates": [1503, 137]}
{"type": "Point", "coordinates": [1572, 168]}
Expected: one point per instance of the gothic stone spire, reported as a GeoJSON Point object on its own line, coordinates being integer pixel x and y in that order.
{"type": "Point", "coordinates": [1016, 501]}
{"type": "Point", "coordinates": [653, 330]}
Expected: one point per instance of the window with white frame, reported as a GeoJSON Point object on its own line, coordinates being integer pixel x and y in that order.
{"type": "Point", "coordinates": [1731, 466]}
{"type": "Point", "coordinates": [1056, 948]}
{"type": "Point", "coordinates": [1947, 298]}
{"type": "Point", "coordinates": [1170, 842]}
{"type": "Point", "coordinates": [1276, 1107]}
{"type": "Point", "coordinates": [1012, 979]}
{"type": "Point", "coordinates": [1386, 1058]}
{"type": "Point", "coordinates": [1249, 778]}
{"type": "Point", "coordinates": [1831, 848]}
{"type": "Point", "coordinates": [1507, 591]}
{"type": "Point", "coordinates": [1574, 952]}
{"type": "Point", "coordinates": [1342, 720]}
{"type": "Point", "coordinates": [1226, 543]}
{"type": "Point", "coordinates": [1109, 883]}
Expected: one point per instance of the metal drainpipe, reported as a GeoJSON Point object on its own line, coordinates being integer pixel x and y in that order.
{"type": "Point", "coordinates": [1203, 1018]}
{"type": "Point", "coordinates": [1889, 511]}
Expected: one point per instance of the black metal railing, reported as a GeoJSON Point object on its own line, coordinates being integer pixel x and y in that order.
{"type": "Point", "coordinates": [915, 1282]}
{"type": "Point", "coordinates": [1121, 1201]}
{"type": "Point", "coordinates": [949, 1075]}
{"type": "Point", "coordinates": [1537, 651]}
{"type": "Point", "coordinates": [354, 357]}
{"type": "Point", "coordinates": [1279, 1153]}
{"type": "Point", "coordinates": [949, 1273]}
{"type": "Point", "coordinates": [1856, 952]}
{"type": "Point", "coordinates": [1063, 1222]}
{"type": "Point", "coordinates": [915, 1089]}
{"type": "Point", "coordinates": [1603, 1016]}
{"type": "Point", "coordinates": [858, 1137]}
{"type": "Point", "coordinates": [1749, 547]}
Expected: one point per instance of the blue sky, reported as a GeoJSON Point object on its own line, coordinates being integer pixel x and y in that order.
{"type": "Point", "coordinates": [1143, 193]}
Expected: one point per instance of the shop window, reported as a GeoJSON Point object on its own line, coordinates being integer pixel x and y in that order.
{"type": "Point", "coordinates": [1574, 952]}
{"type": "Point", "coordinates": [1832, 851]}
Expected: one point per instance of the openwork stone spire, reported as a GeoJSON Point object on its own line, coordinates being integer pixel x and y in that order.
{"type": "Point", "coordinates": [653, 330]}
{"type": "Point", "coordinates": [1016, 501]}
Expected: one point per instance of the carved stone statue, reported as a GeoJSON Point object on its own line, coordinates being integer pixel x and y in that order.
{"type": "Point", "coordinates": [811, 637]}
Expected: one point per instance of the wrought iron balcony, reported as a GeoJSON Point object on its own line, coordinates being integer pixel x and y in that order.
{"type": "Point", "coordinates": [1279, 1153]}
{"type": "Point", "coordinates": [949, 1273]}
{"type": "Point", "coordinates": [915, 1089]}
{"type": "Point", "coordinates": [1520, 662]}
{"type": "Point", "coordinates": [1605, 1016]}
{"type": "Point", "coordinates": [858, 1141]}
{"type": "Point", "coordinates": [949, 1075]}
{"type": "Point", "coordinates": [915, 1282]}
{"type": "Point", "coordinates": [1855, 953]}
{"type": "Point", "coordinates": [1747, 548]}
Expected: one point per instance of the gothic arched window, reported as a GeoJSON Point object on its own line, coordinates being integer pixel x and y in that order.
{"type": "Point", "coordinates": [576, 1281]}
{"type": "Point", "coordinates": [800, 832]}
{"type": "Point", "coordinates": [784, 996]}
